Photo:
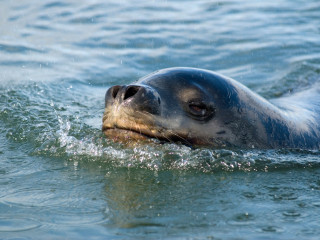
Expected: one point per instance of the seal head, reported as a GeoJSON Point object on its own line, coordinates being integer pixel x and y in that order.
{"type": "Point", "coordinates": [181, 104]}
{"type": "Point", "coordinates": [201, 107]}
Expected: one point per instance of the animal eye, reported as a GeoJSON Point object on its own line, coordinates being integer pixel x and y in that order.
{"type": "Point", "coordinates": [200, 110]}
{"type": "Point", "coordinates": [197, 108]}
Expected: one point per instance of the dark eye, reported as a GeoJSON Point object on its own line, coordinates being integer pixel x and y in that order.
{"type": "Point", "coordinates": [199, 110]}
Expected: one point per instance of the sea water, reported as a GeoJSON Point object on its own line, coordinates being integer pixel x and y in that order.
{"type": "Point", "coordinates": [60, 178]}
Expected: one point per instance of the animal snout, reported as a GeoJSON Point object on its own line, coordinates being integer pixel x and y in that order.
{"type": "Point", "coordinates": [135, 97]}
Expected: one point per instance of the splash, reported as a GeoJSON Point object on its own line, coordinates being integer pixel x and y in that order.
{"type": "Point", "coordinates": [170, 156]}
{"type": "Point", "coordinates": [45, 127]}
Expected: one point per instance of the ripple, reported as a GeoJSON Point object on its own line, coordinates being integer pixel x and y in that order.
{"type": "Point", "coordinates": [284, 196]}
{"type": "Point", "coordinates": [55, 4]}
{"type": "Point", "coordinates": [272, 229]}
{"type": "Point", "coordinates": [242, 219]}
{"type": "Point", "coordinates": [249, 195]}
{"type": "Point", "coordinates": [12, 224]}
{"type": "Point", "coordinates": [9, 48]}
{"type": "Point", "coordinates": [77, 218]}
{"type": "Point", "coordinates": [60, 174]}
{"type": "Point", "coordinates": [291, 214]}
{"type": "Point", "coordinates": [156, 156]}
{"type": "Point", "coordinates": [316, 204]}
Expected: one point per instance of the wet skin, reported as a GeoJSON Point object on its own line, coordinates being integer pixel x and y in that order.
{"type": "Point", "coordinates": [201, 107]}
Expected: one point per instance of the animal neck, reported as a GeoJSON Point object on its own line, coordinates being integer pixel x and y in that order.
{"type": "Point", "coordinates": [285, 122]}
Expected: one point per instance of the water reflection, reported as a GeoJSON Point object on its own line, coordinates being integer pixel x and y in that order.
{"type": "Point", "coordinates": [138, 197]}
{"type": "Point", "coordinates": [47, 46]}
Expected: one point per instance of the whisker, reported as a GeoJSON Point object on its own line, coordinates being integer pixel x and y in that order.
{"type": "Point", "coordinates": [184, 140]}
{"type": "Point", "coordinates": [180, 137]}
{"type": "Point", "coordinates": [134, 125]}
{"type": "Point", "coordinates": [168, 139]}
{"type": "Point", "coordinates": [155, 136]}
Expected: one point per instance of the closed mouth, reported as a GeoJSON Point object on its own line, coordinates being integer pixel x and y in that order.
{"type": "Point", "coordinates": [124, 130]}
{"type": "Point", "coordinates": [125, 134]}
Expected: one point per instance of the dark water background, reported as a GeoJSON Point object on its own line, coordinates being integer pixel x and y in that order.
{"type": "Point", "coordinates": [61, 179]}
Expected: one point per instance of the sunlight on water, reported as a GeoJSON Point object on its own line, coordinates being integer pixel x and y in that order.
{"type": "Point", "coordinates": [60, 133]}
{"type": "Point", "coordinates": [60, 178]}
{"type": "Point", "coordinates": [165, 156]}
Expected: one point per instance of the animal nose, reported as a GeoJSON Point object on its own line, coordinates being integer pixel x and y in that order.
{"type": "Point", "coordinates": [135, 97]}
{"type": "Point", "coordinates": [121, 93]}
{"type": "Point", "coordinates": [112, 92]}
{"type": "Point", "coordinates": [131, 91]}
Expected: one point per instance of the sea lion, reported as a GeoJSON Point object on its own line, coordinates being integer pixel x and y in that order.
{"type": "Point", "coordinates": [201, 107]}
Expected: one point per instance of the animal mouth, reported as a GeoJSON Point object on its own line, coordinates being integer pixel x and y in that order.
{"type": "Point", "coordinates": [123, 134]}
{"type": "Point", "coordinates": [143, 128]}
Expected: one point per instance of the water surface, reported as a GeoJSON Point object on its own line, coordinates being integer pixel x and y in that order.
{"type": "Point", "coordinates": [60, 178]}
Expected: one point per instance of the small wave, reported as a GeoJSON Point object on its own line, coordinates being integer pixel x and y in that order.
{"type": "Point", "coordinates": [47, 127]}
{"type": "Point", "coordinates": [170, 156]}
{"type": "Point", "coordinates": [9, 224]}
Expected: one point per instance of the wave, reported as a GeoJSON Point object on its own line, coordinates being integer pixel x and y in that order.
{"type": "Point", "coordinates": [61, 121]}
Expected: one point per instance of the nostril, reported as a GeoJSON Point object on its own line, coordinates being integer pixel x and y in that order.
{"type": "Point", "coordinates": [115, 91]}
{"type": "Point", "coordinates": [131, 91]}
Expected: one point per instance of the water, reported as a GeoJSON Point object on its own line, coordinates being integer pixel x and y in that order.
{"type": "Point", "coordinates": [60, 178]}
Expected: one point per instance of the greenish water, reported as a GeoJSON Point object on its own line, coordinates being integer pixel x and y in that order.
{"type": "Point", "coordinates": [61, 179]}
